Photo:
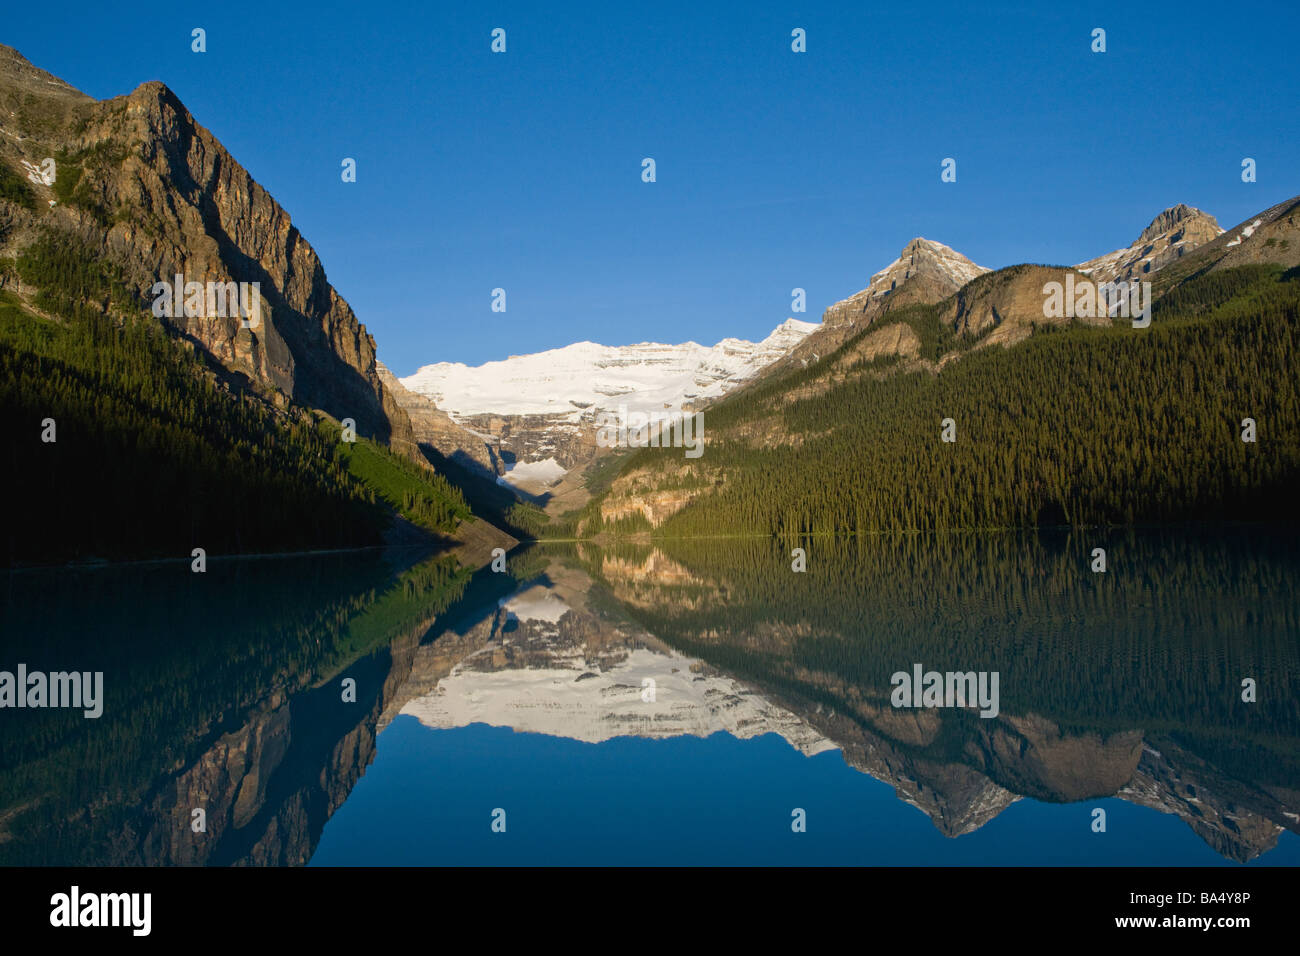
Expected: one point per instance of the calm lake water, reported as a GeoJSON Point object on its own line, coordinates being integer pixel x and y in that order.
{"type": "Point", "coordinates": [690, 702]}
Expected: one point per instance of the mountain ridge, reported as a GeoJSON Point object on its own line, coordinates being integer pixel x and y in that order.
{"type": "Point", "coordinates": [158, 194]}
{"type": "Point", "coordinates": [844, 442]}
{"type": "Point", "coordinates": [103, 203]}
{"type": "Point", "coordinates": [531, 419]}
{"type": "Point", "coordinates": [698, 372]}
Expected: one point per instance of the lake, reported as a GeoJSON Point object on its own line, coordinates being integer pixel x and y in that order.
{"type": "Point", "coordinates": [671, 702]}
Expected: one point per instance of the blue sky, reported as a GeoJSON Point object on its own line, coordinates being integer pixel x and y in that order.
{"type": "Point", "coordinates": [522, 170]}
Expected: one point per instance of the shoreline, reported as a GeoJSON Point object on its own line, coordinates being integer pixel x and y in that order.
{"type": "Point", "coordinates": [259, 555]}
{"type": "Point", "coordinates": [604, 539]}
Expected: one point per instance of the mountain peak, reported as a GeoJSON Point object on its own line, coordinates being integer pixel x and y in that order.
{"type": "Point", "coordinates": [928, 259]}
{"type": "Point", "coordinates": [1170, 218]}
{"type": "Point", "coordinates": [920, 242]}
{"type": "Point", "coordinates": [924, 272]}
{"type": "Point", "coordinates": [1172, 234]}
{"type": "Point", "coordinates": [163, 188]}
{"type": "Point", "coordinates": [792, 325]}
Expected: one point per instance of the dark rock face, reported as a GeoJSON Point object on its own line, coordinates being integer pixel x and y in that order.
{"type": "Point", "coordinates": [158, 196]}
{"type": "Point", "coordinates": [537, 437]}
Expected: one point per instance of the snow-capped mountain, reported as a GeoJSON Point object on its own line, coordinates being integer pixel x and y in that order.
{"type": "Point", "coordinates": [537, 412]}
{"type": "Point", "coordinates": [575, 380]}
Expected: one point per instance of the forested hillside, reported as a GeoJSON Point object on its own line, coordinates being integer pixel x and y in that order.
{"type": "Point", "coordinates": [154, 452]}
{"type": "Point", "coordinates": [1076, 425]}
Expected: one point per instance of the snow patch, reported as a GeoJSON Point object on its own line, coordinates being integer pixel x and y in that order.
{"type": "Point", "coordinates": [545, 472]}
{"type": "Point", "coordinates": [535, 603]}
{"type": "Point", "coordinates": [37, 175]}
{"type": "Point", "coordinates": [1246, 232]}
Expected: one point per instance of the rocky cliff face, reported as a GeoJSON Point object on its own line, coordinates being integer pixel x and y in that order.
{"type": "Point", "coordinates": [155, 194]}
{"type": "Point", "coordinates": [517, 439]}
{"type": "Point", "coordinates": [995, 308]}
{"type": "Point", "coordinates": [655, 506]}
{"type": "Point", "coordinates": [430, 425]}
{"type": "Point", "coordinates": [1270, 237]}
{"type": "Point", "coordinates": [1172, 234]}
{"type": "Point", "coordinates": [1003, 307]}
{"type": "Point", "coordinates": [925, 272]}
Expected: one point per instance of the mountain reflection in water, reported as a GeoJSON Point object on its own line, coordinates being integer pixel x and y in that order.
{"type": "Point", "coordinates": [223, 694]}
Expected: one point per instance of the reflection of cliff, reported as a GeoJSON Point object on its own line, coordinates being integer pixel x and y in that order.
{"type": "Point", "coordinates": [269, 787]}
{"type": "Point", "coordinates": [641, 580]}
{"type": "Point", "coordinates": [959, 769]}
{"type": "Point", "coordinates": [274, 749]}
{"type": "Point", "coordinates": [1239, 820]}
{"type": "Point", "coordinates": [538, 660]}
{"type": "Point", "coordinates": [560, 656]}
{"type": "Point", "coordinates": [551, 658]}
{"type": "Point", "coordinates": [280, 777]}
{"type": "Point", "coordinates": [1001, 760]}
